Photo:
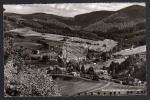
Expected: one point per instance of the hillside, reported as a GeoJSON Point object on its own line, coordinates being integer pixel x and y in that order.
{"type": "Point", "coordinates": [134, 65]}
{"type": "Point", "coordinates": [132, 51]}
{"type": "Point", "coordinates": [92, 17]}
{"type": "Point", "coordinates": [124, 18]}
{"type": "Point", "coordinates": [125, 23]}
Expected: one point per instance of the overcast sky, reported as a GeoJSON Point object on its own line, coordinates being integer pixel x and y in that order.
{"type": "Point", "coordinates": [66, 9]}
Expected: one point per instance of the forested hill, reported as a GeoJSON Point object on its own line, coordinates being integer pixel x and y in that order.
{"type": "Point", "coordinates": [94, 25]}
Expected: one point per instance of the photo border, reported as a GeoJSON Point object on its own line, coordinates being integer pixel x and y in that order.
{"type": "Point", "coordinates": [141, 97]}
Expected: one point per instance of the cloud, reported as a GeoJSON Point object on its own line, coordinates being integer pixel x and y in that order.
{"type": "Point", "coordinates": [66, 9]}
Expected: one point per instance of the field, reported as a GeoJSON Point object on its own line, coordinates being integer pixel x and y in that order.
{"type": "Point", "coordinates": [48, 38]}
{"type": "Point", "coordinates": [72, 85]}
{"type": "Point", "coordinates": [132, 51]}
{"type": "Point", "coordinates": [117, 89]}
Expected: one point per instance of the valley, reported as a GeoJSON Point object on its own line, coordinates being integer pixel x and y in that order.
{"type": "Point", "coordinates": [84, 54]}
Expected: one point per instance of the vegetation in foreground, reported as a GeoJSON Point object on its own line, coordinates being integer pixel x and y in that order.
{"type": "Point", "coordinates": [22, 79]}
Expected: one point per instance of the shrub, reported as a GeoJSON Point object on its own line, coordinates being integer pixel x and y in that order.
{"type": "Point", "coordinates": [21, 78]}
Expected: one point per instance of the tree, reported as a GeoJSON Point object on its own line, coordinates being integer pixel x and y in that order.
{"type": "Point", "coordinates": [114, 68]}
{"type": "Point", "coordinates": [141, 71]}
{"type": "Point", "coordinates": [95, 77]}
{"type": "Point", "coordinates": [104, 67]}
{"type": "Point", "coordinates": [90, 70]}
{"type": "Point", "coordinates": [111, 67]}
{"type": "Point", "coordinates": [78, 68]}
{"type": "Point", "coordinates": [59, 60]}
{"type": "Point", "coordinates": [83, 69]}
{"type": "Point", "coordinates": [45, 58]}
{"type": "Point", "coordinates": [21, 78]}
{"type": "Point", "coordinates": [104, 56]}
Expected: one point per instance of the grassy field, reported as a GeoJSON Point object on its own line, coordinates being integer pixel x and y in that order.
{"type": "Point", "coordinates": [27, 33]}
{"type": "Point", "coordinates": [30, 45]}
{"type": "Point", "coordinates": [123, 89]}
{"type": "Point", "coordinates": [114, 89]}
{"type": "Point", "coordinates": [132, 51]}
{"type": "Point", "coordinates": [71, 86]}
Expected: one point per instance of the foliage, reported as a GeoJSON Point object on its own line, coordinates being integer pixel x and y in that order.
{"type": "Point", "coordinates": [133, 65]}
{"type": "Point", "coordinates": [90, 70]}
{"type": "Point", "coordinates": [83, 69]}
{"type": "Point", "coordinates": [23, 79]}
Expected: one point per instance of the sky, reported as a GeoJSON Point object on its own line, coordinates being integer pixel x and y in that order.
{"type": "Point", "coordinates": [66, 9]}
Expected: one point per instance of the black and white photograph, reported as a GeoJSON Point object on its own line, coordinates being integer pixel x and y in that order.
{"type": "Point", "coordinates": [74, 49]}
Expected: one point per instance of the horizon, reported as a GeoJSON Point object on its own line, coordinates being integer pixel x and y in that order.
{"type": "Point", "coordinates": [66, 10]}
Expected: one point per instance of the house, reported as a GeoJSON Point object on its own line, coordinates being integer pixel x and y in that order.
{"type": "Point", "coordinates": [105, 72]}
{"type": "Point", "coordinates": [75, 73]}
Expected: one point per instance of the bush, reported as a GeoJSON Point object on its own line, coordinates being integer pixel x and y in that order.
{"type": "Point", "coordinates": [116, 81]}
{"type": "Point", "coordinates": [95, 77]}
{"type": "Point", "coordinates": [45, 58]}
{"type": "Point", "coordinates": [90, 71]}
{"type": "Point", "coordinates": [22, 79]}
{"type": "Point", "coordinates": [124, 83]}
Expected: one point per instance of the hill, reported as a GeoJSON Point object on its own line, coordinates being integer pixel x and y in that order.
{"type": "Point", "coordinates": [124, 18]}
{"type": "Point", "coordinates": [94, 25]}
{"type": "Point", "coordinates": [92, 17]}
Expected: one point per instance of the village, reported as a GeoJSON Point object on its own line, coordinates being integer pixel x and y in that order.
{"type": "Point", "coordinates": [66, 59]}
